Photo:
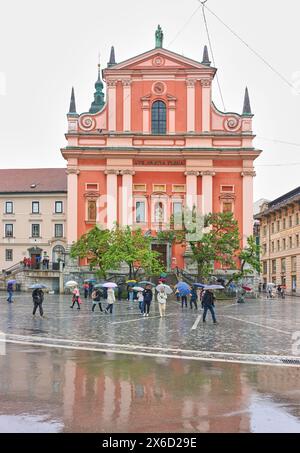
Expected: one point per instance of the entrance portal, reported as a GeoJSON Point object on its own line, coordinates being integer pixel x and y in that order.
{"type": "Point", "coordinates": [162, 249]}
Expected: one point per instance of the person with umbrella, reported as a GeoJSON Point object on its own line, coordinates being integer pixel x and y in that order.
{"type": "Point", "coordinates": [111, 298]}
{"type": "Point", "coordinates": [147, 295]}
{"type": "Point", "coordinates": [208, 303]}
{"type": "Point", "coordinates": [76, 298]}
{"type": "Point", "coordinates": [38, 299]}
{"type": "Point", "coordinates": [162, 297]}
{"type": "Point", "coordinates": [10, 290]}
{"type": "Point", "coordinates": [184, 291]}
{"type": "Point", "coordinates": [86, 289]}
{"type": "Point", "coordinates": [96, 297]}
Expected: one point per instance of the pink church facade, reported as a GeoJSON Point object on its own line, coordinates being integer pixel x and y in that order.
{"type": "Point", "coordinates": [156, 147]}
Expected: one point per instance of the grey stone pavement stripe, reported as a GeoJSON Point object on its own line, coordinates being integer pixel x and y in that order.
{"type": "Point", "coordinates": [195, 325]}
{"type": "Point", "coordinates": [250, 359]}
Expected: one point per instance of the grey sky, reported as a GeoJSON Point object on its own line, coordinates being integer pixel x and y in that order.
{"type": "Point", "coordinates": [46, 47]}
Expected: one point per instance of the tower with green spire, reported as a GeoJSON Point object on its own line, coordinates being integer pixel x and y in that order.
{"type": "Point", "coordinates": [98, 102]}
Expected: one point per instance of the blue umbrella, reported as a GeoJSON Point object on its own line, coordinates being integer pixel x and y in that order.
{"type": "Point", "coordinates": [38, 286]}
{"type": "Point", "coordinates": [11, 282]}
{"type": "Point", "coordinates": [90, 280]}
{"type": "Point", "coordinates": [183, 288]}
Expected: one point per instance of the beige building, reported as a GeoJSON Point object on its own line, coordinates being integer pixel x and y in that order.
{"type": "Point", "coordinates": [279, 240]}
{"type": "Point", "coordinates": [33, 216]}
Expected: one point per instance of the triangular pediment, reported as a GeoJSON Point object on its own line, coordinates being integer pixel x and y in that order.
{"type": "Point", "coordinates": [160, 59]}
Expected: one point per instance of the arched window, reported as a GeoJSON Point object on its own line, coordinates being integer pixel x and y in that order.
{"type": "Point", "coordinates": [58, 254]}
{"type": "Point", "coordinates": [159, 118]}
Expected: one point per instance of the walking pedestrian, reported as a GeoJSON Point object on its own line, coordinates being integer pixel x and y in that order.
{"type": "Point", "coordinates": [140, 299]}
{"type": "Point", "coordinates": [10, 291]}
{"type": "Point", "coordinates": [76, 298]}
{"type": "Point", "coordinates": [38, 298]}
{"type": "Point", "coordinates": [131, 298]}
{"type": "Point", "coordinates": [148, 295]}
{"type": "Point", "coordinates": [86, 290]}
{"type": "Point", "coordinates": [162, 302]}
{"type": "Point", "coordinates": [183, 301]}
{"type": "Point", "coordinates": [208, 305]}
{"type": "Point", "coordinates": [91, 289]}
{"type": "Point", "coordinates": [194, 298]}
{"type": "Point", "coordinates": [96, 296]}
{"type": "Point", "coordinates": [111, 298]}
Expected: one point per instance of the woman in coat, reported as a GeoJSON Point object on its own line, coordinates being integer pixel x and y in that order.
{"type": "Point", "coordinates": [76, 298]}
{"type": "Point", "coordinates": [162, 302]}
{"type": "Point", "coordinates": [111, 299]}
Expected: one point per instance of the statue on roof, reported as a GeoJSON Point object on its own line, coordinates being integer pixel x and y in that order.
{"type": "Point", "coordinates": [159, 37]}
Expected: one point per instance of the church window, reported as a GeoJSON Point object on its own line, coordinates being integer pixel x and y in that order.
{"type": "Point", "coordinates": [159, 118]}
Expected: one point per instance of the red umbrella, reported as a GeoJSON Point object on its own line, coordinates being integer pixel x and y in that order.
{"type": "Point", "coordinates": [246, 288]}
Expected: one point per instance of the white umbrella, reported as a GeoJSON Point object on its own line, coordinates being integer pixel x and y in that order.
{"type": "Point", "coordinates": [167, 289]}
{"type": "Point", "coordinates": [71, 284]}
{"type": "Point", "coordinates": [213, 287]}
{"type": "Point", "coordinates": [110, 285]}
{"type": "Point", "coordinates": [138, 288]}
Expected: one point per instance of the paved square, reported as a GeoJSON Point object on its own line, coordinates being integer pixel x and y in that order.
{"type": "Point", "coordinates": [259, 331]}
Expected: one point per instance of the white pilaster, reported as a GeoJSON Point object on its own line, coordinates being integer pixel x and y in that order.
{"type": "Point", "coordinates": [127, 199]}
{"type": "Point", "coordinates": [191, 189]}
{"type": "Point", "coordinates": [191, 99]}
{"type": "Point", "coordinates": [126, 105]}
{"type": "Point", "coordinates": [112, 197]}
{"type": "Point", "coordinates": [112, 104]}
{"type": "Point", "coordinates": [72, 208]}
{"type": "Point", "coordinates": [206, 104]}
{"type": "Point", "coordinates": [248, 176]}
{"type": "Point", "coordinates": [146, 114]}
{"type": "Point", "coordinates": [207, 191]}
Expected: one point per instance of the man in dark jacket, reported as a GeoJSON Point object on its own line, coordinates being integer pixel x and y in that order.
{"type": "Point", "coordinates": [148, 295]}
{"type": "Point", "coordinates": [208, 303]}
{"type": "Point", "coordinates": [38, 298]}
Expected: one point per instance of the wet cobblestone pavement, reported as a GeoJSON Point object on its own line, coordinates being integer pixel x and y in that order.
{"type": "Point", "coordinates": [78, 371]}
{"type": "Point", "coordinates": [257, 331]}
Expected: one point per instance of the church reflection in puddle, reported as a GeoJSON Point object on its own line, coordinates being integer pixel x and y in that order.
{"type": "Point", "coordinates": [77, 391]}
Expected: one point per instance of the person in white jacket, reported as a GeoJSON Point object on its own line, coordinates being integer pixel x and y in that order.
{"type": "Point", "coordinates": [162, 302]}
{"type": "Point", "coordinates": [111, 299]}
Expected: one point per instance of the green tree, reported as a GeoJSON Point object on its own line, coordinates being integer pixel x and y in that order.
{"type": "Point", "coordinates": [95, 245]}
{"type": "Point", "coordinates": [219, 242]}
{"type": "Point", "coordinates": [248, 259]}
{"type": "Point", "coordinates": [133, 248]}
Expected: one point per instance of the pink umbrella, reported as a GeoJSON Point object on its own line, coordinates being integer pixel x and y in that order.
{"type": "Point", "coordinates": [246, 288]}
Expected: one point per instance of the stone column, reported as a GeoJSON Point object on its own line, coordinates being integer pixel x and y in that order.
{"type": "Point", "coordinates": [207, 191]}
{"type": "Point", "coordinates": [172, 114]}
{"type": "Point", "coordinates": [248, 176]}
{"type": "Point", "coordinates": [112, 104]}
{"type": "Point", "coordinates": [126, 198]}
{"type": "Point", "coordinates": [206, 104]}
{"type": "Point", "coordinates": [126, 105]}
{"type": "Point", "coordinates": [72, 209]}
{"type": "Point", "coordinates": [112, 197]}
{"type": "Point", "coordinates": [146, 114]}
{"type": "Point", "coordinates": [191, 189]}
{"type": "Point", "coordinates": [191, 103]}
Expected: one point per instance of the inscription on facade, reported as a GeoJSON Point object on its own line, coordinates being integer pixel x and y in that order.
{"type": "Point", "coordinates": [159, 162]}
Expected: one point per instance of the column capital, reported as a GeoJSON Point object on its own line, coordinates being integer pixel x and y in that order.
{"type": "Point", "coordinates": [111, 172]}
{"type": "Point", "coordinates": [111, 83]}
{"type": "Point", "coordinates": [192, 173]}
{"type": "Point", "coordinates": [248, 173]}
{"type": "Point", "coordinates": [191, 82]}
{"type": "Point", "coordinates": [127, 172]}
{"type": "Point", "coordinates": [126, 82]}
{"type": "Point", "coordinates": [72, 171]}
{"type": "Point", "coordinates": [205, 82]}
{"type": "Point", "coordinates": [208, 173]}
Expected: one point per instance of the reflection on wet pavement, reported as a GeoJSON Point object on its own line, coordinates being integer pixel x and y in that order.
{"type": "Point", "coordinates": [52, 390]}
